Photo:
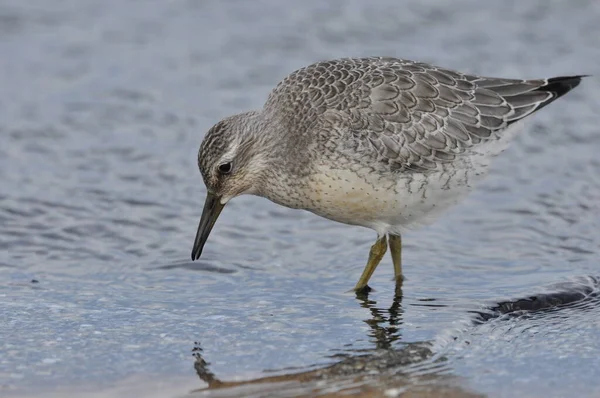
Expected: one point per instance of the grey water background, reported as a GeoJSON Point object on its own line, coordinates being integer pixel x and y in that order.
{"type": "Point", "coordinates": [103, 105]}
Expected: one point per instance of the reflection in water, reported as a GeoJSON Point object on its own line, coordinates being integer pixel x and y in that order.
{"type": "Point", "coordinates": [378, 370]}
{"type": "Point", "coordinates": [385, 324]}
{"type": "Point", "coordinates": [386, 369]}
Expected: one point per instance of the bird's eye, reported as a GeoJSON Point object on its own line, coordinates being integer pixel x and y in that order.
{"type": "Point", "coordinates": [225, 168]}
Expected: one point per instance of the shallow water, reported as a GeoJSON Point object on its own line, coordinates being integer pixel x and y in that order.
{"type": "Point", "coordinates": [104, 104]}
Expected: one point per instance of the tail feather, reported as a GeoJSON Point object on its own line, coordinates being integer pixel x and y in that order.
{"type": "Point", "coordinates": [559, 86]}
{"type": "Point", "coordinates": [533, 95]}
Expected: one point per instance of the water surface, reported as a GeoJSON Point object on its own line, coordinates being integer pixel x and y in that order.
{"type": "Point", "coordinates": [104, 104]}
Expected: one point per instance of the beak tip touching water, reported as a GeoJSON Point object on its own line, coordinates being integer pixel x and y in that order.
{"type": "Point", "coordinates": [197, 250]}
{"type": "Point", "coordinates": [210, 213]}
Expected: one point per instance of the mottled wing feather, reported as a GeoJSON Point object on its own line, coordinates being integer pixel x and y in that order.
{"type": "Point", "coordinates": [412, 115]}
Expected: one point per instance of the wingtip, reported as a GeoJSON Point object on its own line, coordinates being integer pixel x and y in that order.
{"type": "Point", "coordinates": [561, 85]}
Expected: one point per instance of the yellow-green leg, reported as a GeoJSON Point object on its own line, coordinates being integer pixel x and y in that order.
{"type": "Point", "coordinates": [396, 250]}
{"type": "Point", "coordinates": [375, 255]}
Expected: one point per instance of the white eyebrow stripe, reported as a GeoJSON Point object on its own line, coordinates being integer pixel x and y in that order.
{"type": "Point", "coordinates": [229, 155]}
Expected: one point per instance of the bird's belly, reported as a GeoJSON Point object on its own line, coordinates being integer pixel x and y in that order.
{"type": "Point", "coordinates": [385, 204]}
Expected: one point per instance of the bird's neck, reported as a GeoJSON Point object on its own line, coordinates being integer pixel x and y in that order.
{"type": "Point", "coordinates": [287, 162]}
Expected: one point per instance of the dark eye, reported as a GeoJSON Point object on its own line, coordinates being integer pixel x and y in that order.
{"type": "Point", "coordinates": [225, 168]}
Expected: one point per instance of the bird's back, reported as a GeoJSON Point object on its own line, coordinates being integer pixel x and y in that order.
{"type": "Point", "coordinates": [391, 142]}
{"type": "Point", "coordinates": [405, 115]}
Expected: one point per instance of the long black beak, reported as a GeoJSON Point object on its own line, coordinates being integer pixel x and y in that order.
{"type": "Point", "coordinates": [210, 213]}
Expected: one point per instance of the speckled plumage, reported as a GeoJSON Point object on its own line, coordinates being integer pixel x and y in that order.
{"type": "Point", "coordinates": [386, 121]}
{"type": "Point", "coordinates": [380, 142]}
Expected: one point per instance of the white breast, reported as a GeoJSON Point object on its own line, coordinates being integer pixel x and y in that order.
{"type": "Point", "coordinates": [394, 202]}
{"type": "Point", "coordinates": [383, 204]}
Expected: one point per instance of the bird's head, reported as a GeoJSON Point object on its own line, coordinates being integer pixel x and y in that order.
{"type": "Point", "coordinates": [231, 159]}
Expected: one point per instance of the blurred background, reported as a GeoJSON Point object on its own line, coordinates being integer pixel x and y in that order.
{"type": "Point", "coordinates": [103, 105]}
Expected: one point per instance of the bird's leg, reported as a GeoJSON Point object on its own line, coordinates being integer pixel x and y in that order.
{"type": "Point", "coordinates": [375, 255]}
{"type": "Point", "coordinates": [396, 250]}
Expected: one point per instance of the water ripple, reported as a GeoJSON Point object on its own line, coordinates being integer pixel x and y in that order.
{"type": "Point", "coordinates": [100, 198]}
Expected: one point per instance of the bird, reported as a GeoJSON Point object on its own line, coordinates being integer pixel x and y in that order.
{"type": "Point", "coordinates": [379, 142]}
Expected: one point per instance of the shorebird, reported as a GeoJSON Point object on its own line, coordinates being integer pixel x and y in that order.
{"type": "Point", "coordinates": [383, 143]}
